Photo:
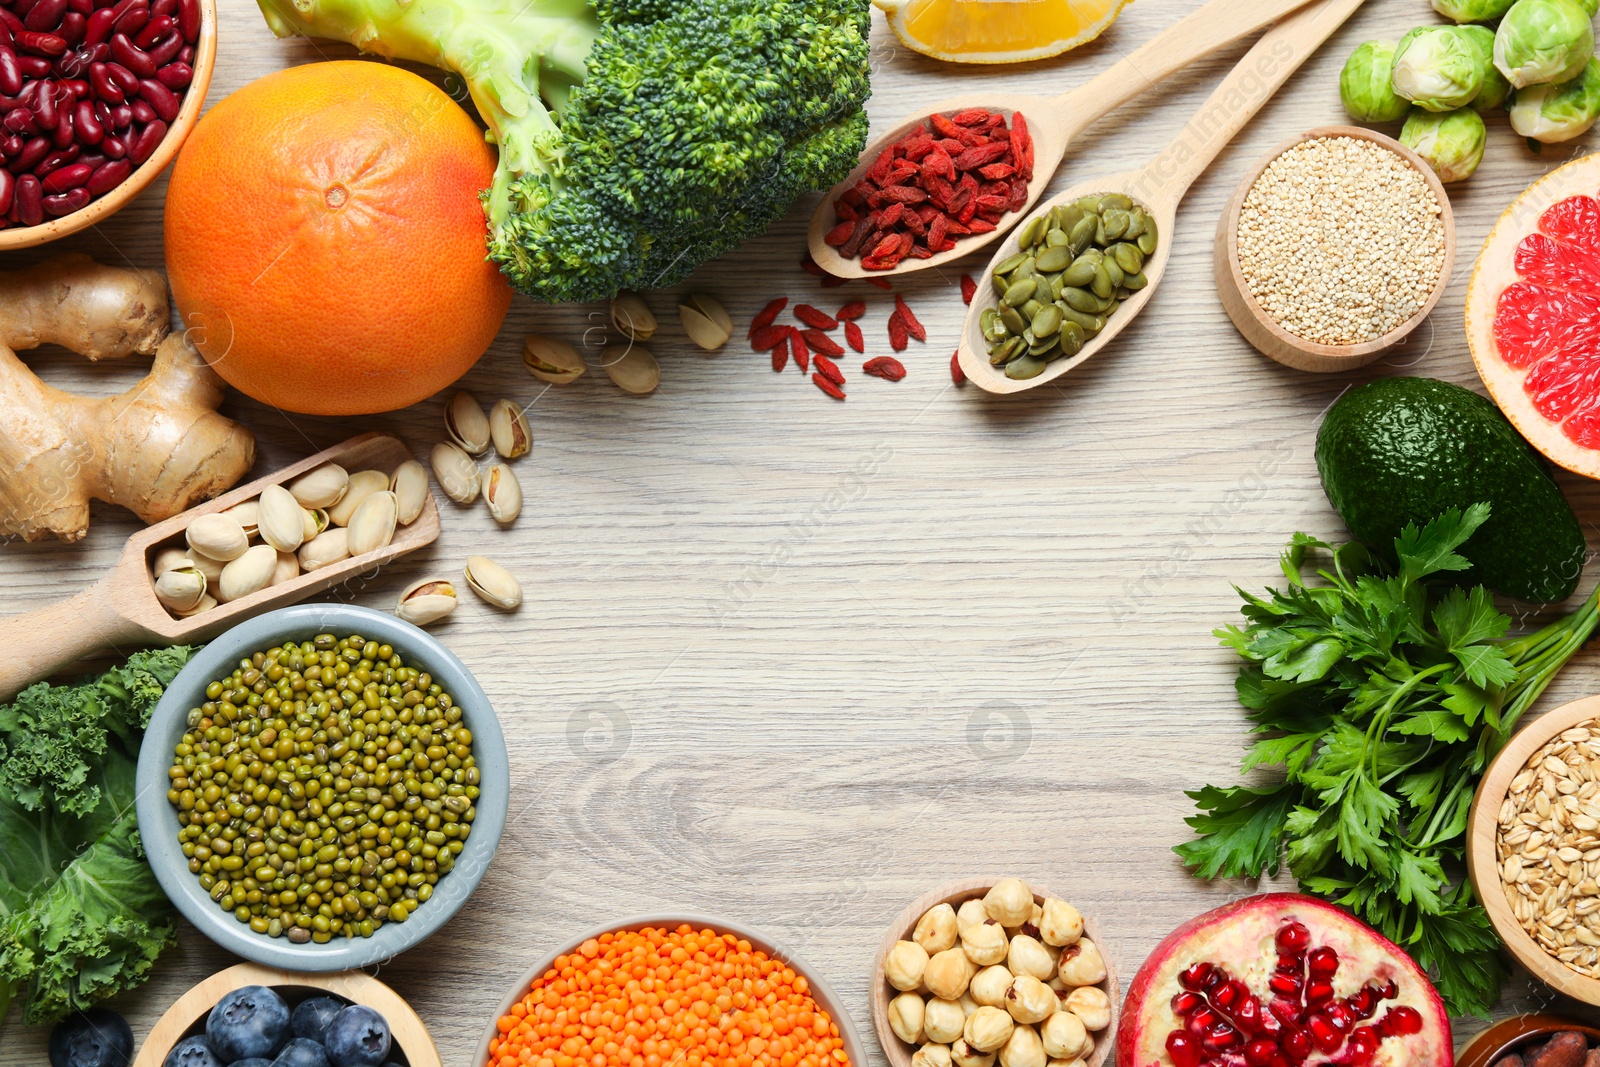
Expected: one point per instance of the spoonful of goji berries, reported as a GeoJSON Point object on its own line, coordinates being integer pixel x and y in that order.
{"type": "Point", "coordinates": [947, 182]}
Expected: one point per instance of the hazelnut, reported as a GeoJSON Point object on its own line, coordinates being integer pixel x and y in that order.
{"type": "Point", "coordinates": [1067, 1063]}
{"type": "Point", "coordinates": [971, 914]}
{"type": "Point", "coordinates": [1030, 1000]}
{"type": "Point", "coordinates": [931, 1056]}
{"type": "Point", "coordinates": [989, 986]}
{"type": "Point", "coordinates": [904, 964]}
{"type": "Point", "coordinates": [906, 1017]}
{"type": "Point", "coordinates": [965, 1055]}
{"type": "Point", "coordinates": [1081, 964]}
{"type": "Point", "coordinates": [1009, 902]}
{"type": "Point", "coordinates": [936, 930]}
{"type": "Point", "coordinates": [987, 1029]}
{"type": "Point", "coordinates": [1060, 923]}
{"type": "Point", "coordinates": [943, 1020]}
{"type": "Point", "coordinates": [947, 973]}
{"type": "Point", "coordinates": [1064, 1036]}
{"type": "Point", "coordinates": [968, 1005]}
{"type": "Point", "coordinates": [985, 944]}
{"type": "Point", "coordinates": [1091, 1005]}
{"type": "Point", "coordinates": [1031, 927]}
{"type": "Point", "coordinates": [1027, 956]}
{"type": "Point", "coordinates": [1022, 1049]}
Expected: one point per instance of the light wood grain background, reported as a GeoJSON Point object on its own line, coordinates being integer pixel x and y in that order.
{"type": "Point", "coordinates": [795, 661]}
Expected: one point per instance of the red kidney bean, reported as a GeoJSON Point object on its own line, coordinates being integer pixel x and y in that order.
{"type": "Point", "coordinates": [142, 111]}
{"type": "Point", "coordinates": [22, 7]}
{"type": "Point", "coordinates": [33, 150]}
{"type": "Point", "coordinates": [45, 15]}
{"type": "Point", "coordinates": [29, 201]}
{"type": "Point", "coordinates": [152, 31]}
{"type": "Point", "coordinates": [99, 25]}
{"type": "Point", "coordinates": [113, 147]}
{"type": "Point", "coordinates": [105, 87]}
{"type": "Point", "coordinates": [18, 120]}
{"type": "Point", "coordinates": [41, 44]}
{"type": "Point", "coordinates": [164, 7]}
{"type": "Point", "coordinates": [144, 146]}
{"type": "Point", "coordinates": [87, 124]}
{"type": "Point", "coordinates": [65, 134]}
{"type": "Point", "coordinates": [189, 21]}
{"type": "Point", "coordinates": [10, 20]}
{"type": "Point", "coordinates": [79, 87]}
{"type": "Point", "coordinates": [82, 7]}
{"type": "Point", "coordinates": [66, 203]}
{"type": "Point", "coordinates": [158, 96]}
{"type": "Point", "coordinates": [133, 19]}
{"type": "Point", "coordinates": [121, 116]}
{"type": "Point", "coordinates": [8, 189]}
{"type": "Point", "coordinates": [130, 59]}
{"type": "Point", "coordinates": [73, 65]}
{"type": "Point", "coordinates": [68, 177]}
{"type": "Point", "coordinates": [94, 159]}
{"type": "Point", "coordinates": [125, 79]}
{"type": "Point", "coordinates": [10, 73]}
{"type": "Point", "coordinates": [71, 29]}
{"type": "Point", "coordinates": [186, 54]}
{"type": "Point", "coordinates": [10, 146]}
{"type": "Point", "coordinates": [175, 75]}
{"type": "Point", "coordinates": [55, 160]}
{"type": "Point", "coordinates": [44, 106]}
{"type": "Point", "coordinates": [166, 49]}
{"type": "Point", "coordinates": [34, 66]}
{"type": "Point", "coordinates": [109, 176]}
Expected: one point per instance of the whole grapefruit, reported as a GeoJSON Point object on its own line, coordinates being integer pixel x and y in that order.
{"type": "Point", "coordinates": [325, 242]}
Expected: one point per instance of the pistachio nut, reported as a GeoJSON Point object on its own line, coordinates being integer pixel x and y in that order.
{"type": "Point", "coordinates": [964, 1055]}
{"type": "Point", "coordinates": [1060, 923]}
{"type": "Point", "coordinates": [426, 601]}
{"type": "Point", "coordinates": [1009, 902]}
{"type": "Point", "coordinates": [936, 930]}
{"type": "Point", "coordinates": [632, 317]}
{"type": "Point", "coordinates": [316, 521]}
{"type": "Point", "coordinates": [218, 537]}
{"type": "Point", "coordinates": [466, 423]}
{"type": "Point", "coordinates": [1023, 1048]}
{"type": "Point", "coordinates": [211, 568]}
{"type": "Point", "coordinates": [942, 1020]}
{"type": "Point", "coordinates": [1030, 1001]}
{"type": "Point", "coordinates": [180, 589]}
{"type": "Point", "coordinates": [288, 567]}
{"type": "Point", "coordinates": [931, 1055]}
{"type": "Point", "coordinates": [372, 526]}
{"type": "Point", "coordinates": [905, 1017]}
{"type": "Point", "coordinates": [503, 493]}
{"type": "Point", "coordinates": [989, 986]}
{"type": "Point", "coordinates": [245, 515]}
{"type": "Point", "coordinates": [508, 428]}
{"type": "Point", "coordinates": [326, 548]}
{"type": "Point", "coordinates": [249, 573]}
{"type": "Point", "coordinates": [493, 583]}
{"type": "Point", "coordinates": [904, 964]}
{"type": "Point", "coordinates": [168, 559]}
{"type": "Point", "coordinates": [280, 518]}
{"type": "Point", "coordinates": [409, 484]}
{"type": "Point", "coordinates": [635, 370]}
{"type": "Point", "coordinates": [988, 1028]}
{"type": "Point", "coordinates": [457, 474]}
{"type": "Point", "coordinates": [1091, 1004]}
{"type": "Point", "coordinates": [362, 485]}
{"type": "Point", "coordinates": [320, 488]}
{"type": "Point", "coordinates": [1065, 1037]}
{"type": "Point", "coordinates": [1081, 964]}
{"type": "Point", "coordinates": [705, 321]}
{"type": "Point", "coordinates": [207, 602]}
{"type": "Point", "coordinates": [948, 973]}
{"type": "Point", "coordinates": [550, 360]}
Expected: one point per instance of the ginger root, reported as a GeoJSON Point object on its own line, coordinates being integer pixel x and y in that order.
{"type": "Point", "coordinates": [157, 449]}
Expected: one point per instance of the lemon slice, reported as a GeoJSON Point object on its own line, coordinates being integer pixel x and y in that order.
{"type": "Point", "coordinates": [998, 31]}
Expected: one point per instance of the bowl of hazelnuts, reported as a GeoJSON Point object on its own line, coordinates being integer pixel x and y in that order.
{"type": "Point", "coordinates": [978, 972]}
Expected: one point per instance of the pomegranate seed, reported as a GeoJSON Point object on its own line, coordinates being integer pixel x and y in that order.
{"type": "Point", "coordinates": [1183, 1049]}
{"type": "Point", "coordinates": [1214, 979]}
{"type": "Point", "coordinates": [1285, 1011]}
{"type": "Point", "coordinates": [1186, 1002]}
{"type": "Point", "coordinates": [1296, 1044]}
{"type": "Point", "coordinates": [1220, 1038]}
{"type": "Point", "coordinates": [1203, 1019]}
{"type": "Point", "coordinates": [1280, 1060]}
{"type": "Point", "coordinates": [1362, 1002]}
{"type": "Point", "coordinates": [1293, 939]}
{"type": "Point", "coordinates": [1284, 985]}
{"type": "Point", "coordinates": [1259, 1052]}
{"type": "Point", "coordinates": [1401, 1020]}
{"type": "Point", "coordinates": [1247, 1014]}
{"type": "Point", "coordinates": [1390, 990]}
{"type": "Point", "coordinates": [1228, 995]}
{"type": "Point", "coordinates": [1339, 1016]}
{"type": "Point", "coordinates": [1194, 976]}
{"type": "Point", "coordinates": [1323, 1035]}
{"type": "Point", "coordinates": [1319, 992]}
{"type": "Point", "coordinates": [1363, 1044]}
{"type": "Point", "coordinates": [1323, 962]}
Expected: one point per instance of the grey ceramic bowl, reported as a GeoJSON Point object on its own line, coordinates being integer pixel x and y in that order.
{"type": "Point", "coordinates": [158, 821]}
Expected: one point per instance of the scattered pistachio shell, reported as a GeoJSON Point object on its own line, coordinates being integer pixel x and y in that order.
{"type": "Point", "coordinates": [281, 520]}
{"type": "Point", "coordinates": [245, 515]}
{"type": "Point", "coordinates": [635, 371]}
{"type": "Point", "coordinates": [466, 423]}
{"type": "Point", "coordinates": [218, 537]}
{"type": "Point", "coordinates": [705, 321]}
{"type": "Point", "coordinates": [503, 493]}
{"type": "Point", "coordinates": [372, 526]}
{"type": "Point", "coordinates": [362, 485]}
{"type": "Point", "coordinates": [207, 602]}
{"type": "Point", "coordinates": [457, 474]}
{"type": "Point", "coordinates": [493, 583]}
{"type": "Point", "coordinates": [328, 547]}
{"type": "Point", "coordinates": [409, 483]}
{"type": "Point", "coordinates": [211, 568]}
{"type": "Point", "coordinates": [632, 317]}
{"type": "Point", "coordinates": [181, 588]}
{"type": "Point", "coordinates": [508, 426]}
{"type": "Point", "coordinates": [426, 601]}
{"type": "Point", "coordinates": [315, 521]}
{"type": "Point", "coordinates": [249, 573]}
{"type": "Point", "coordinates": [168, 559]}
{"type": "Point", "coordinates": [550, 360]}
{"type": "Point", "coordinates": [320, 488]}
{"type": "Point", "coordinates": [288, 567]}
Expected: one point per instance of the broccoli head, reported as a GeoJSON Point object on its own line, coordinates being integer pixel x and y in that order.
{"type": "Point", "coordinates": [638, 138]}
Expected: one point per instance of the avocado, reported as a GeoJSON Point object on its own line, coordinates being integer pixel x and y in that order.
{"type": "Point", "coordinates": [1402, 450]}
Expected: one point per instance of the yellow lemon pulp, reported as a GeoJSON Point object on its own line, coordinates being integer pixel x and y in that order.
{"type": "Point", "coordinates": [998, 31]}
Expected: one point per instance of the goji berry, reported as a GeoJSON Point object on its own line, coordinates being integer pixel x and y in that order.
{"type": "Point", "coordinates": [821, 342]}
{"type": "Point", "coordinates": [846, 211]}
{"type": "Point", "coordinates": [888, 246]}
{"type": "Point", "coordinates": [802, 356]}
{"type": "Point", "coordinates": [809, 265]}
{"type": "Point", "coordinates": [898, 334]}
{"type": "Point", "coordinates": [769, 337]}
{"type": "Point", "coordinates": [853, 337]}
{"type": "Point", "coordinates": [969, 289]}
{"type": "Point", "coordinates": [829, 370]}
{"type": "Point", "coordinates": [780, 357]}
{"type": "Point", "coordinates": [943, 126]}
{"type": "Point", "coordinates": [957, 375]}
{"type": "Point", "coordinates": [881, 283]}
{"type": "Point", "coordinates": [768, 315]}
{"type": "Point", "coordinates": [972, 116]}
{"type": "Point", "coordinates": [815, 317]}
{"type": "Point", "coordinates": [853, 310]}
{"type": "Point", "coordinates": [886, 367]}
{"type": "Point", "coordinates": [997, 171]}
{"type": "Point", "coordinates": [913, 327]}
{"type": "Point", "coordinates": [879, 263]}
{"type": "Point", "coordinates": [827, 387]}
{"type": "Point", "coordinates": [831, 282]}
{"type": "Point", "coordinates": [839, 234]}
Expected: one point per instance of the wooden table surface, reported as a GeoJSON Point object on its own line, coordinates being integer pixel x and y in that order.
{"type": "Point", "coordinates": [795, 662]}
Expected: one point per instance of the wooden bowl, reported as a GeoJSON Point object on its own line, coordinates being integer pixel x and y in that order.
{"type": "Point", "coordinates": [820, 991]}
{"type": "Point", "coordinates": [955, 894]}
{"type": "Point", "coordinates": [1258, 327]}
{"type": "Point", "coordinates": [412, 1045]}
{"type": "Point", "coordinates": [1483, 865]}
{"type": "Point", "coordinates": [205, 61]}
{"type": "Point", "coordinates": [1508, 1035]}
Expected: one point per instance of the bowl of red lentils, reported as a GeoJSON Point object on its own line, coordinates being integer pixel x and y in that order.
{"type": "Point", "coordinates": [672, 989]}
{"type": "Point", "coordinates": [1337, 245]}
{"type": "Point", "coordinates": [96, 98]}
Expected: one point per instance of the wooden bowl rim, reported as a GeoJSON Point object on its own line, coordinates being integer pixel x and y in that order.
{"type": "Point", "coordinates": [1228, 247]}
{"type": "Point", "coordinates": [1487, 1046]}
{"type": "Point", "coordinates": [205, 55]}
{"type": "Point", "coordinates": [1483, 866]}
{"type": "Point", "coordinates": [821, 992]}
{"type": "Point", "coordinates": [358, 987]}
{"type": "Point", "coordinates": [898, 1052]}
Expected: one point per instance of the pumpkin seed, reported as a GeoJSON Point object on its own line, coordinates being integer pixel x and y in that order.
{"type": "Point", "coordinates": [1047, 321]}
{"type": "Point", "coordinates": [1083, 233]}
{"type": "Point", "coordinates": [1024, 367]}
{"type": "Point", "coordinates": [1102, 285]}
{"type": "Point", "coordinates": [1128, 257]}
{"type": "Point", "coordinates": [1031, 308]}
{"type": "Point", "coordinates": [1113, 271]}
{"type": "Point", "coordinates": [1057, 238]}
{"type": "Point", "coordinates": [1043, 349]}
{"type": "Point", "coordinates": [1012, 319]}
{"type": "Point", "coordinates": [1082, 320]}
{"type": "Point", "coordinates": [1135, 282]}
{"type": "Point", "coordinates": [1116, 223]}
{"type": "Point", "coordinates": [1031, 231]}
{"type": "Point", "coordinates": [1148, 239]}
{"type": "Point", "coordinates": [1080, 300]}
{"type": "Point", "coordinates": [1020, 292]}
{"type": "Point", "coordinates": [1006, 266]}
{"type": "Point", "coordinates": [1053, 259]}
{"type": "Point", "coordinates": [993, 328]}
{"type": "Point", "coordinates": [1081, 273]}
{"type": "Point", "coordinates": [1073, 338]}
{"type": "Point", "coordinates": [1115, 201]}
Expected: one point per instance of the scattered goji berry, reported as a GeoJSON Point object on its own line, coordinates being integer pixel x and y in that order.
{"type": "Point", "coordinates": [957, 375]}
{"type": "Point", "coordinates": [780, 357]}
{"type": "Point", "coordinates": [769, 337]}
{"type": "Point", "coordinates": [829, 369]}
{"type": "Point", "coordinates": [853, 310]}
{"type": "Point", "coordinates": [969, 289]}
{"type": "Point", "coordinates": [886, 367]}
{"type": "Point", "coordinates": [913, 327]}
{"type": "Point", "coordinates": [853, 337]}
{"type": "Point", "coordinates": [898, 334]}
{"type": "Point", "coordinates": [815, 317]}
{"type": "Point", "coordinates": [881, 283]}
{"type": "Point", "coordinates": [809, 265]}
{"type": "Point", "coordinates": [768, 315]}
{"type": "Point", "coordinates": [802, 355]}
{"type": "Point", "coordinates": [821, 342]}
{"type": "Point", "coordinates": [827, 387]}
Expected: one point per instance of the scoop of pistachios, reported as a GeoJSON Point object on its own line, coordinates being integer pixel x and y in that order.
{"type": "Point", "coordinates": [1075, 266]}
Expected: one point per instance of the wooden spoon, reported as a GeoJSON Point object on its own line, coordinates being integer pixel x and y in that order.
{"type": "Point", "coordinates": [1055, 120]}
{"type": "Point", "coordinates": [121, 608]}
{"type": "Point", "coordinates": [1161, 184]}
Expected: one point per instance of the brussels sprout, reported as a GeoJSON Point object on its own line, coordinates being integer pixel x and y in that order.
{"type": "Point", "coordinates": [1543, 41]}
{"type": "Point", "coordinates": [1451, 142]}
{"type": "Point", "coordinates": [1472, 10]}
{"type": "Point", "coordinates": [1438, 67]}
{"type": "Point", "coordinates": [1495, 87]}
{"type": "Point", "coordinates": [1366, 87]}
{"type": "Point", "coordinates": [1555, 113]}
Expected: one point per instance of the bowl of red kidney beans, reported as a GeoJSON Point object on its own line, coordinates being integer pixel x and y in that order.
{"type": "Point", "coordinates": [96, 97]}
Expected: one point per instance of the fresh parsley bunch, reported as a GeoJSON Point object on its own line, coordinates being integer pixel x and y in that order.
{"type": "Point", "coordinates": [1382, 694]}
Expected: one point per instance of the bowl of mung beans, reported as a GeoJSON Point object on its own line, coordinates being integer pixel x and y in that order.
{"type": "Point", "coordinates": [322, 787]}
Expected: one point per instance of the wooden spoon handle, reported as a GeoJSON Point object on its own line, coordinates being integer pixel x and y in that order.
{"type": "Point", "coordinates": [39, 643]}
{"type": "Point", "coordinates": [1259, 75]}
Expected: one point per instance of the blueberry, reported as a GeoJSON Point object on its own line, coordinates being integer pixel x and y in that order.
{"type": "Point", "coordinates": [248, 1023]}
{"type": "Point", "coordinates": [95, 1038]}
{"type": "Point", "coordinates": [358, 1037]}
{"type": "Point", "coordinates": [311, 1017]}
{"type": "Point", "coordinates": [253, 1061]}
{"type": "Point", "coordinates": [192, 1052]}
{"type": "Point", "coordinates": [302, 1052]}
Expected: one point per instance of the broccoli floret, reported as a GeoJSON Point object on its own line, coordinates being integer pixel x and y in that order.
{"type": "Point", "coordinates": [638, 138]}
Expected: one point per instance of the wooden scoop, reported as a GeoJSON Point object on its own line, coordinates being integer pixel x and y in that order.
{"type": "Point", "coordinates": [1162, 183]}
{"type": "Point", "coordinates": [1055, 121]}
{"type": "Point", "coordinates": [121, 608]}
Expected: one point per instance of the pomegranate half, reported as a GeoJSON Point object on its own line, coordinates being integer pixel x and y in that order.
{"type": "Point", "coordinates": [1281, 980]}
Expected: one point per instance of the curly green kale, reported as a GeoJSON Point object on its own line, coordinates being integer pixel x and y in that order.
{"type": "Point", "coordinates": [638, 138]}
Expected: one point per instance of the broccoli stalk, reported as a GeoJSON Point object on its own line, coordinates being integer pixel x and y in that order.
{"type": "Point", "coordinates": [638, 138]}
